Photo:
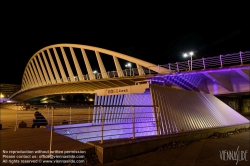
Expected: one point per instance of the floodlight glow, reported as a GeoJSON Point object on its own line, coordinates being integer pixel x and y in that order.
{"type": "Point", "coordinates": [1, 95]}
{"type": "Point", "coordinates": [191, 53]}
{"type": "Point", "coordinates": [94, 71]}
{"type": "Point", "coordinates": [185, 54]}
{"type": "Point", "coordinates": [128, 65]}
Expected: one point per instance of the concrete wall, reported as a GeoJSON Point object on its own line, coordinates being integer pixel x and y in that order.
{"type": "Point", "coordinates": [239, 104]}
{"type": "Point", "coordinates": [120, 149]}
{"type": "Point", "coordinates": [246, 107]}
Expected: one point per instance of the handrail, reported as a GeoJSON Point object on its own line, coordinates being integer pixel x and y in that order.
{"type": "Point", "coordinates": [240, 58]}
{"type": "Point", "coordinates": [137, 122]}
{"type": "Point", "coordinates": [220, 61]}
{"type": "Point", "coordinates": [95, 76]}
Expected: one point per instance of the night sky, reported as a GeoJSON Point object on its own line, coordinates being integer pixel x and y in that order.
{"type": "Point", "coordinates": [156, 32]}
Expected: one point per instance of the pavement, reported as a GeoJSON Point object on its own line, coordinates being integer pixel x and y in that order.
{"type": "Point", "coordinates": [204, 152]}
{"type": "Point", "coordinates": [16, 145]}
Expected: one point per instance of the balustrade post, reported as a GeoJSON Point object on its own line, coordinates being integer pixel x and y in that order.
{"type": "Point", "coordinates": [51, 131]}
{"type": "Point", "coordinates": [133, 122]}
{"type": "Point", "coordinates": [16, 118]}
{"type": "Point", "coordinates": [89, 116]}
{"type": "Point", "coordinates": [203, 61]}
{"type": "Point", "coordinates": [188, 66]}
{"type": "Point", "coordinates": [241, 62]}
{"type": "Point", "coordinates": [102, 124]}
{"type": "Point", "coordinates": [221, 64]}
{"type": "Point", "coordinates": [177, 67]}
{"type": "Point", "coordinates": [191, 63]}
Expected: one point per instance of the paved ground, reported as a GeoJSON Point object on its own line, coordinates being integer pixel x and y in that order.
{"type": "Point", "coordinates": [35, 139]}
{"type": "Point", "coordinates": [203, 152]}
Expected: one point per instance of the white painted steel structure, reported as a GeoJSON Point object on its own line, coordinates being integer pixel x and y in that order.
{"type": "Point", "coordinates": [51, 65]}
{"type": "Point", "coordinates": [66, 69]}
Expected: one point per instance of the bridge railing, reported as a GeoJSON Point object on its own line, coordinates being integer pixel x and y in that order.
{"type": "Point", "coordinates": [110, 74]}
{"type": "Point", "coordinates": [240, 58]}
{"type": "Point", "coordinates": [128, 121]}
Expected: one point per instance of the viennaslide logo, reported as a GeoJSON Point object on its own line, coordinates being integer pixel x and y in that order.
{"type": "Point", "coordinates": [233, 155]}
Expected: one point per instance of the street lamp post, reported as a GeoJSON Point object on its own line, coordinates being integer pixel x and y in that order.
{"type": "Point", "coordinates": [129, 65]}
{"type": "Point", "coordinates": [94, 73]}
{"type": "Point", "coordinates": [189, 54]}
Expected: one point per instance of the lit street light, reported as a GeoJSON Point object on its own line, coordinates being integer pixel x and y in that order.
{"type": "Point", "coordinates": [189, 54]}
{"type": "Point", "coordinates": [94, 73]}
{"type": "Point", "coordinates": [129, 66]}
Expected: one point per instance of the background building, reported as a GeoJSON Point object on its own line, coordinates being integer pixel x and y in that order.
{"type": "Point", "coordinates": [6, 90]}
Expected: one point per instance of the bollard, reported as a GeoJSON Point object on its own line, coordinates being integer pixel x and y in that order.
{"type": "Point", "coordinates": [22, 125]}
{"type": "Point", "coordinates": [16, 118]}
{"type": "Point", "coordinates": [65, 122]}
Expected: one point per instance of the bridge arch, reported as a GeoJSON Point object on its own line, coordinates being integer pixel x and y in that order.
{"type": "Point", "coordinates": [45, 68]}
{"type": "Point", "coordinates": [49, 72]}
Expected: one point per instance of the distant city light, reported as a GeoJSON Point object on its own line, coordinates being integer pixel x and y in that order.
{"type": "Point", "coordinates": [1, 95]}
{"type": "Point", "coordinates": [62, 97]}
{"type": "Point", "coordinates": [90, 99]}
{"type": "Point", "coordinates": [45, 98]}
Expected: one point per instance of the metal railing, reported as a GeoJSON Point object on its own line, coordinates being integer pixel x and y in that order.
{"type": "Point", "coordinates": [131, 122]}
{"type": "Point", "coordinates": [134, 119]}
{"type": "Point", "coordinates": [64, 114]}
{"type": "Point", "coordinates": [240, 58]}
{"type": "Point", "coordinates": [110, 74]}
{"type": "Point", "coordinates": [26, 118]}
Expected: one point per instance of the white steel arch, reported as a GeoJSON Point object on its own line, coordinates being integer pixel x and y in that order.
{"type": "Point", "coordinates": [47, 67]}
{"type": "Point", "coordinates": [49, 73]}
